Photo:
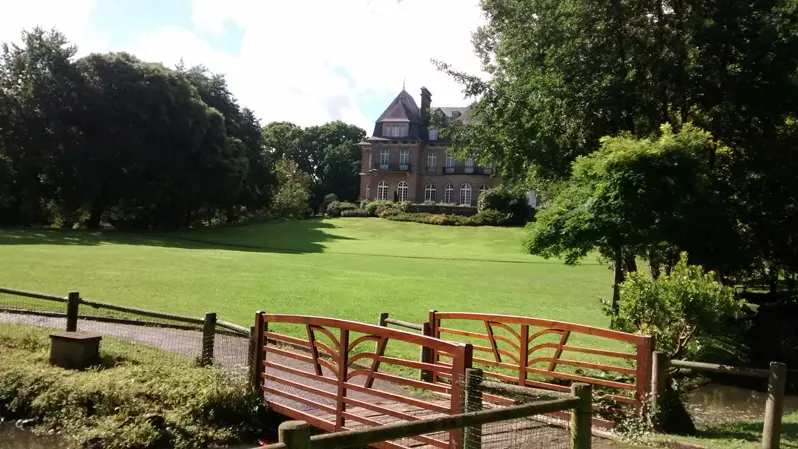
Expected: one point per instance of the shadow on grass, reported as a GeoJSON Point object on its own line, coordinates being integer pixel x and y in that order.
{"type": "Point", "coordinates": [292, 237]}
{"type": "Point", "coordinates": [750, 431]}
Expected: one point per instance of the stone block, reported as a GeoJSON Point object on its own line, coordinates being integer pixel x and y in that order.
{"type": "Point", "coordinates": [74, 350]}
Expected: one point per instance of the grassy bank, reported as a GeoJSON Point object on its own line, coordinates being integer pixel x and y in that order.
{"type": "Point", "coordinates": [736, 435]}
{"type": "Point", "coordinates": [138, 398]}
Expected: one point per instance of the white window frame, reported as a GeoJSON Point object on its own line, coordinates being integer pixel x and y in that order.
{"type": "Point", "coordinates": [401, 190]}
{"type": "Point", "coordinates": [465, 194]}
{"type": "Point", "coordinates": [404, 159]}
{"type": "Point", "coordinates": [447, 194]}
{"type": "Point", "coordinates": [483, 188]}
{"type": "Point", "coordinates": [469, 165]}
{"type": "Point", "coordinates": [432, 159]}
{"type": "Point", "coordinates": [382, 190]}
{"type": "Point", "coordinates": [449, 160]}
{"type": "Point", "coordinates": [385, 156]}
{"type": "Point", "coordinates": [433, 134]}
{"type": "Point", "coordinates": [429, 192]}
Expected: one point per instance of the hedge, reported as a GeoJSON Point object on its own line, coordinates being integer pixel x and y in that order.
{"type": "Point", "coordinates": [335, 208]}
{"type": "Point", "coordinates": [484, 218]}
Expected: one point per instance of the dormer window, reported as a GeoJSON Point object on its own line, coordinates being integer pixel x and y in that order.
{"type": "Point", "coordinates": [433, 134]}
{"type": "Point", "coordinates": [395, 131]}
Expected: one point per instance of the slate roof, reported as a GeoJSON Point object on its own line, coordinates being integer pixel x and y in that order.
{"type": "Point", "coordinates": [403, 107]}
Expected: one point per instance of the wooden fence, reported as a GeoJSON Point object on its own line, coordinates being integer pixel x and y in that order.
{"type": "Point", "coordinates": [774, 406]}
{"type": "Point", "coordinates": [297, 434]}
{"type": "Point", "coordinates": [346, 356]}
{"type": "Point", "coordinates": [78, 308]}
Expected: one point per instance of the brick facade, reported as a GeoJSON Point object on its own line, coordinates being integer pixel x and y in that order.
{"type": "Point", "coordinates": [415, 169]}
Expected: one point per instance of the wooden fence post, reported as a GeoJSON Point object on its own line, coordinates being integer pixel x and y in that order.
{"type": "Point", "coordinates": [659, 384]}
{"type": "Point", "coordinates": [258, 340]}
{"type": "Point", "coordinates": [208, 337]}
{"type": "Point", "coordinates": [426, 354]}
{"type": "Point", "coordinates": [582, 416]}
{"type": "Point", "coordinates": [473, 403]}
{"type": "Point", "coordinates": [294, 434]}
{"type": "Point", "coordinates": [383, 317]}
{"type": "Point", "coordinates": [251, 355]}
{"type": "Point", "coordinates": [73, 302]}
{"type": "Point", "coordinates": [643, 360]}
{"type": "Point", "coordinates": [774, 406]}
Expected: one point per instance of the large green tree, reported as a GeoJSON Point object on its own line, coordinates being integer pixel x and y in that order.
{"type": "Point", "coordinates": [565, 73]}
{"type": "Point", "coordinates": [640, 197]}
{"type": "Point", "coordinates": [109, 135]}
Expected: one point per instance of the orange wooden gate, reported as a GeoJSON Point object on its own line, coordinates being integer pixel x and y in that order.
{"type": "Point", "coordinates": [539, 353]}
{"type": "Point", "coordinates": [342, 375]}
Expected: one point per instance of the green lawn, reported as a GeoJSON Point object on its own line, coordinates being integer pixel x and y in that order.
{"type": "Point", "coordinates": [350, 268]}
{"type": "Point", "coordinates": [738, 435]}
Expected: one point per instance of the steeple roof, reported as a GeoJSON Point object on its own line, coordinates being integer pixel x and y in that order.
{"type": "Point", "coordinates": [403, 107]}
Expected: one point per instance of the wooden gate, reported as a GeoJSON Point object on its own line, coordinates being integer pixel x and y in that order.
{"type": "Point", "coordinates": [342, 375]}
{"type": "Point", "coordinates": [539, 353]}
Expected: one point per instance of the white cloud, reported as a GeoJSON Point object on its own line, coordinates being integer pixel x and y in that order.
{"type": "Point", "coordinates": [71, 17]}
{"type": "Point", "coordinates": [293, 51]}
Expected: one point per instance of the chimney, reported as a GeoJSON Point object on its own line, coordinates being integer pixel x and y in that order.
{"type": "Point", "coordinates": [426, 102]}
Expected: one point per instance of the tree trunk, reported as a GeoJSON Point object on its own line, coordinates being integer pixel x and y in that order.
{"type": "Point", "coordinates": [619, 277]}
{"type": "Point", "coordinates": [653, 263]}
{"type": "Point", "coordinates": [97, 210]}
{"type": "Point", "coordinates": [629, 263]}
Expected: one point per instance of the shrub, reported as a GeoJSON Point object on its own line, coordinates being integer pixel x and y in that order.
{"type": "Point", "coordinates": [389, 212]}
{"type": "Point", "coordinates": [328, 198]}
{"type": "Point", "coordinates": [507, 201]}
{"type": "Point", "coordinates": [355, 213]}
{"type": "Point", "coordinates": [335, 208]}
{"type": "Point", "coordinates": [435, 219]}
{"type": "Point", "coordinates": [490, 217]}
{"type": "Point", "coordinates": [371, 206]}
{"type": "Point", "coordinates": [403, 206]}
{"type": "Point", "coordinates": [684, 310]}
{"type": "Point", "coordinates": [384, 207]}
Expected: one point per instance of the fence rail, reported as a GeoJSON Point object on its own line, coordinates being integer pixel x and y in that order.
{"type": "Point", "coordinates": [204, 329]}
{"type": "Point", "coordinates": [774, 405]}
{"type": "Point", "coordinates": [296, 434]}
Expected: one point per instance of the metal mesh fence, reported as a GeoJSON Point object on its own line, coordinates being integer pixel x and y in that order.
{"type": "Point", "coordinates": [158, 335]}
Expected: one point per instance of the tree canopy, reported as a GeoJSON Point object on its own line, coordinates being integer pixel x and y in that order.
{"type": "Point", "coordinates": [566, 73]}
{"type": "Point", "coordinates": [110, 137]}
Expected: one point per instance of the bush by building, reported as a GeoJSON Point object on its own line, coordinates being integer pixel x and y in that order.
{"type": "Point", "coordinates": [335, 208]}
{"type": "Point", "coordinates": [508, 201]}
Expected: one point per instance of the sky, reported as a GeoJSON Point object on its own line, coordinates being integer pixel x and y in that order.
{"type": "Point", "coordinates": [303, 61]}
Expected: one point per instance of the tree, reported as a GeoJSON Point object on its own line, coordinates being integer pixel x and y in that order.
{"type": "Point", "coordinates": [635, 197]}
{"type": "Point", "coordinates": [566, 73]}
{"type": "Point", "coordinates": [292, 199]}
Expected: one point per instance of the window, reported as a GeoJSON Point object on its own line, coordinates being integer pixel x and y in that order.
{"type": "Point", "coordinates": [469, 165]}
{"type": "Point", "coordinates": [432, 159]}
{"type": "Point", "coordinates": [433, 134]}
{"type": "Point", "coordinates": [483, 189]}
{"type": "Point", "coordinates": [447, 197]}
{"type": "Point", "coordinates": [488, 168]}
{"type": "Point", "coordinates": [384, 159]}
{"type": "Point", "coordinates": [382, 190]}
{"type": "Point", "coordinates": [429, 193]}
{"type": "Point", "coordinates": [465, 194]}
{"type": "Point", "coordinates": [395, 130]}
{"type": "Point", "coordinates": [401, 190]}
{"type": "Point", "coordinates": [404, 159]}
{"type": "Point", "coordinates": [449, 160]}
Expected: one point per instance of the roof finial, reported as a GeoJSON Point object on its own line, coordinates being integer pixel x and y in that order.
{"type": "Point", "coordinates": [404, 80]}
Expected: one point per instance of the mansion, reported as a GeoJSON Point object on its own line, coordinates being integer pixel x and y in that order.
{"type": "Point", "coordinates": [405, 160]}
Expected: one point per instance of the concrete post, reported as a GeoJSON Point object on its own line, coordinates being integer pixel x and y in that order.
{"type": "Point", "coordinates": [659, 383]}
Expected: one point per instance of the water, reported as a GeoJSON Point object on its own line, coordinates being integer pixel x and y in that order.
{"type": "Point", "coordinates": [715, 403]}
{"type": "Point", "coordinates": [12, 437]}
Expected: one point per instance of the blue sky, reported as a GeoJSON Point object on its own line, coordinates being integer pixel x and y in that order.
{"type": "Point", "coordinates": [305, 61]}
